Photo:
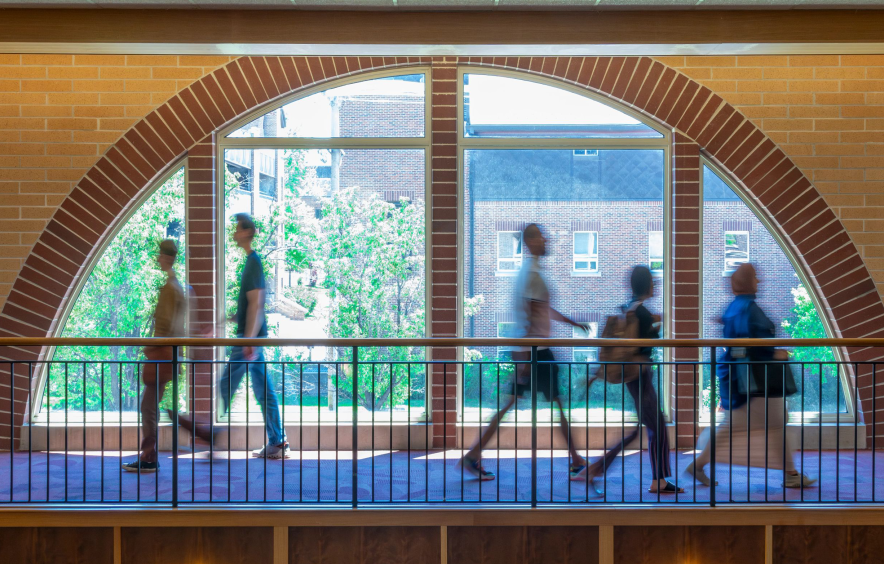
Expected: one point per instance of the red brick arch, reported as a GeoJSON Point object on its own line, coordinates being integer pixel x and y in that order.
{"type": "Point", "coordinates": [701, 120]}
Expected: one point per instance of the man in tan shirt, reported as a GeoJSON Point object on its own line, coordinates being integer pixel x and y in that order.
{"type": "Point", "coordinates": [168, 321]}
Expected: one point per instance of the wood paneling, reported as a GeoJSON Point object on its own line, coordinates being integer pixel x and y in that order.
{"type": "Point", "coordinates": [677, 545]}
{"type": "Point", "coordinates": [523, 545]}
{"type": "Point", "coordinates": [192, 545]}
{"type": "Point", "coordinates": [68, 545]}
{"type": "Point", "coordinates": [445, 28]}
{"type": "Point", "coordinates": [364, 545]}
{"type": "Point", "coordinates": [828, 545]}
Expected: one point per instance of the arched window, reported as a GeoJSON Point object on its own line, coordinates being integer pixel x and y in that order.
{"type": "Point", "coordinates": [335, 181]}
{"type": "Point", "coordinates": [593, 177]}
{"type": "Point", "coordinates": [117, 299]}
{"type": "Point", "coordinates": [733, 233]}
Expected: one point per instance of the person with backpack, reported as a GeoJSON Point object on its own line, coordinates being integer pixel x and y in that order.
{"type": "Point", "coordinates": [638, 378]}
{"type": "Point", "coordinates": [752, 385]}
{"type": "Point", "coordinates": [533, 315]}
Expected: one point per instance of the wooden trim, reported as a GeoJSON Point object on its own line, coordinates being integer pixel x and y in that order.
{"type": "Point", "coordinates": [280, 545]}
{"type": "Point", "coordinates": [606, 544]}
{"type": "Point", "coordinates": [118, 546]}
{"type": "Point", "coordinates": [443, 550]}
{"type": "Point", "coordinates": [444, 28]}
{"type": "Point", "coordinates": [768, 544]}
{"type": "Point", "coordinates": [243, 516]}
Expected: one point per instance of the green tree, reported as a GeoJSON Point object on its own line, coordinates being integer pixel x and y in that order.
{"type": "Point", "coordinates": [117, 300]}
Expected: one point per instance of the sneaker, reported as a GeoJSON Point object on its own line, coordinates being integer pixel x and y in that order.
{"type": "Point", "coordinates": [473, 467]}
{"type": "Point", "coordinates": [578, 471]}
{"type": "Point", "coordinates": [797, 481]}
{"type": "Point", "coordinates": [142, 466]}
{"type": "Point", "coordinates": [273, 451]}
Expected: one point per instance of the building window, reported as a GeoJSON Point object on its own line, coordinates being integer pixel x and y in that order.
{"type": "Point", "coordinates": [509, 251]}
{"type": "Point", "coordinates": [586, 251]}
{"type": "Point", "coordinates": [736, 249]}
{"type": "Point", "coordinates": [655, 251]}
{"type": "Point", "coordinates": [585, 354]}
{"type": "Point", "coordinates": [586, 152]}
{"type": "Point", "coordinates": [505, 329]}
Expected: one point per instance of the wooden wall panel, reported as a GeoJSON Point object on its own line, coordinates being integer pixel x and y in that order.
{"type": "Point", "coordinates": [697, 545]}
{"type": "Point", "coordinates": [62, 545]}
{"type": "Point", "coordinates": [523, 545]}
{"type": "Point", "coordinates": [192, 545]}
{"type": "Point", "coordinates": [828, 545]}
{"type": "Point", "coordinates": [364, 545]}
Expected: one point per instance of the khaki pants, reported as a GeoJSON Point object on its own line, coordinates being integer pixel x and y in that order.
{"type": "Point", "coordinates": [741, 439]}
{"type": "Point", "coordinates": [155, 378]}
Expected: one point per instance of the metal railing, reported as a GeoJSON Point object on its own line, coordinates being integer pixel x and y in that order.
{"type": "Point", "coordinates": [394, 431]}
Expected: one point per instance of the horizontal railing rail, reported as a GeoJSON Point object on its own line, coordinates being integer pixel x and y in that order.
{"type": "Point", "coordinates": [367, 428]}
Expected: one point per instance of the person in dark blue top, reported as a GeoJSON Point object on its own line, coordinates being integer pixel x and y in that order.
{"type": "Point", "coordinates": [749, 414]}
{"type": "Point", "coordinates": [250, 323]}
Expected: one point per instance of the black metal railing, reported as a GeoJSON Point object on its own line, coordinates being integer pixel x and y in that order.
{"type": "Point", "coordinates": [372, 426]}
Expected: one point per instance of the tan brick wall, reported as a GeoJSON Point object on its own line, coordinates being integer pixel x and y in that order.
{"type": "Point", "coordinates": [58, 115]}
{"type": "Point", "coordinates": [827, 114]}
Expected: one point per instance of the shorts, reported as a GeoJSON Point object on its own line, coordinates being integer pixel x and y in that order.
{"type": "Point", "coordinates": [547, 375]}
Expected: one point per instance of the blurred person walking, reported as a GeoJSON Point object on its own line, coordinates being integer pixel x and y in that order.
{"type": "Point", "coordinates": [752, 385]}
{"type": "Point", "coordinates": [168, 322]}
{"type": "Point", "coordinates": [533, 315]}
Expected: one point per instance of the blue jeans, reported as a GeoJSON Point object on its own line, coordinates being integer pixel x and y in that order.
{"type": "Point", "coordinates": [261, 385]}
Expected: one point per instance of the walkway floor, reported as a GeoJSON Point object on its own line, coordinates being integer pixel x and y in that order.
{"type": "Point", "coordinates": [420, 477]}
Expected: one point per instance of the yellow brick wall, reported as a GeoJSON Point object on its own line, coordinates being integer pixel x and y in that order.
{"type": "Point", "coordinates": [827, 113]}
{"type": "Point", "coordinates": [58, 115]}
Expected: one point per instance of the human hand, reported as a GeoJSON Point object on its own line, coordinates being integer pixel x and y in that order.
{"type": "Point", "coordinates": [248, 353]}
{"type": "Point", "coordinates": [781, 354]}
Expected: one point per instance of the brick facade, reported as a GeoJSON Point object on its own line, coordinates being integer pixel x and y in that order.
{"type": "Point", "coordinates": [700, 117]}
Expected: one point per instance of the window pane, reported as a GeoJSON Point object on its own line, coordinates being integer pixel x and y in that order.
{"type": "Point", "coordinates": [382, 107]}
{"type": "Point", "coordinates": [118, 300]}
{"type": "Point", "coordinates": [655, 250]}
{"type": "Point", "coordinates": [599, 208]}
{"type": "Point", "coordinates": [732, 234]}
{"type": "Point", "coordinates": [343, 255]}
{"type": "Point", "coordinates": [497, 106]}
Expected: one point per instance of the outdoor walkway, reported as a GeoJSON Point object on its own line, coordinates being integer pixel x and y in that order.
{"type": "Point", "coordinates": [422, 477]}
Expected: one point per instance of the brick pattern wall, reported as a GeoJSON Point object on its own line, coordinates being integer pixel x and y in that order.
{"type": "Point", "coordinates": [826, 112]}
{"type": "Point", "coordinates": [58, 115]}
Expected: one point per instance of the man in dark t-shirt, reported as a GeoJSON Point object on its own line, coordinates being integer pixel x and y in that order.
{"type": "Point", "coordinates": [252, 323]}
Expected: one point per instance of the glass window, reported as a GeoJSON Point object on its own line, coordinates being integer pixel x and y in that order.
{"type": "Point", "coordinates": [509, 251]}
{"type": "Point", "coordinates": [728, 224]}
{"type": "Point", "coordinates": [382, 107]}
{"type": "Point", "coordinates": [505, 329]}
{"type": "Point", "coordinates": [343, 253]}
{"type": "Point", "coordinates": [736, 249]}
{"type": "Point", "coordinates": [586, 251]}
{"type": "Point", "coordinates": [118, 300]}
{"type": "Point", "coordinates": [655, 251]}
{"type": "Point", "coordinates": [585, 354]}
{"type": "Point", "coordinates": [498, 106]}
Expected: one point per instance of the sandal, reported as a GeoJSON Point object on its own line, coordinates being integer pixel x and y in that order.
{"type": "Point", "coordinates": [669, 488]}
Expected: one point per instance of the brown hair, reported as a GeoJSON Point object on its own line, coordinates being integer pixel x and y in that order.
{"type": "Point", "coordinates": [245, 221]}
{"type": "Point", "coordinates": [169, 247]}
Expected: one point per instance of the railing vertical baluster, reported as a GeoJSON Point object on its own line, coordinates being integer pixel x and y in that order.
{"type": "Point", "coordinates": [874, 423]}
{"type": "Point", "coordinates": [534, 391]}
{"type": "Point", "coordinates": [803, 382]}
{"type": "Point", "coordinates": [713, 367]}
{"type": "Point", "coordinates": [11, 430]}
{"type": "Point", "coordinates": [102, 434]}
{"type": "Point", "coordinates": [174, 425]}
{"type": "Point", "coordinates": [31, 425]}
{"type": "Point", "coordinates": [355, 426]}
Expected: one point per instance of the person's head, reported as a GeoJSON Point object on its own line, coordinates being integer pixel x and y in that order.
{"type": "Point", "coordinates": [168, 253]}
{"type": "Point", "coordinates": [533, 238]}
{"type": "Point", "coordinates": [744, 280]}
{"type": "Point", "coordinates": [245, 230]}
{"type": "Point", "coordinates": [642, 282]}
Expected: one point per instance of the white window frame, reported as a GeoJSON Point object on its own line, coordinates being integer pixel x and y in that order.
{"type": "Point", "coordinates": [591, 332]}
{"type": "Point", "coordinates": [651, 258]}
{"type": "Point", "coordinates": [516, 259]}
{"type": "Point", "coordinates": [586, 152]}
{"type": "Point", "coordinates": [728, 270]}
{"type": "Point", "coordinates": [589, 258]}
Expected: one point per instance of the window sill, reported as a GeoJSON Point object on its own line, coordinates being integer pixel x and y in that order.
{"type": "Point", "coordinates": [585, 274]}
{"type": "Point", "coordinates": [506, 273]}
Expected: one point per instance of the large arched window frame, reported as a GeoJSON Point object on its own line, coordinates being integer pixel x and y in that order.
{"type": "Point", "coordinates": [41, 370]}
{"type": "Point", "coordinates": [662, 143]}
{"type": "Point", "coordinates": [844, 374]}
{"type": "Point", "coordinates": [224, 141]}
